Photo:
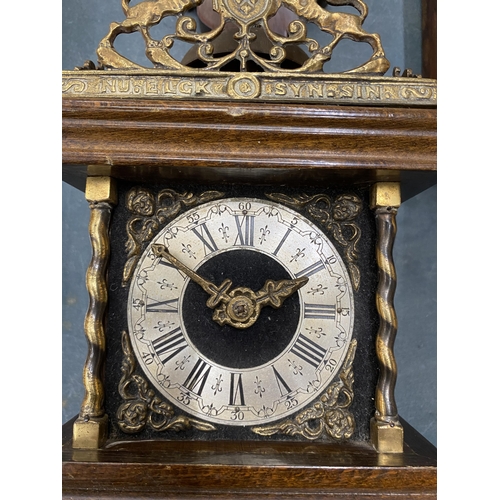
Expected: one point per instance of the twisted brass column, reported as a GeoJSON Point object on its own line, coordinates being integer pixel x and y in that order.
{"type": "Point", "coordinates": [90, 428]}
{"type": "Point", "coordinates": [385, 429]}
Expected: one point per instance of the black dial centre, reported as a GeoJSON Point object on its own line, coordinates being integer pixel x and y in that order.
{"type": "Point", "coordinates": [232, 347]}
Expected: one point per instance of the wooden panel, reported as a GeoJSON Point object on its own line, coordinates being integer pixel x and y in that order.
{"type": "Point", "coordinates": [429, 38]}
{"type": "Point", "coordinates": [249, 470]}
{"type": "Point", "coordinates": [211, 141]}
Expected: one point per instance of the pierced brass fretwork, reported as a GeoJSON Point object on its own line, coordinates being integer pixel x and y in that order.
{"type": "Point", "coordinates": [243, 19]}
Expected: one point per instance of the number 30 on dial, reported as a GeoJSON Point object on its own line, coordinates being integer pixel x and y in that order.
{"type": "Point", "coordinates": [240, 312]}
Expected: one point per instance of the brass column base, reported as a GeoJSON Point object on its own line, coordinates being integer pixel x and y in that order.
{"type": "Point", "coordinates": [386, 437]}
{"type": "Point", "coordinates": [91, 433]}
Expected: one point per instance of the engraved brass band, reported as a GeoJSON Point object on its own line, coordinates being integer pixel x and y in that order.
{"type": "Point", "coordinates": [275, 87]}
{"type": "Point", "coordinates": [386, 430]}
{"type": "Point", "coordinates": [91, 425]}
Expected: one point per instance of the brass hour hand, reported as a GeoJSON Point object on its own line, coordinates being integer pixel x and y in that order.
{"type": "Point", "coordinates": [217, 293]}
{"type": "Point", "coordinates": [274, 293]}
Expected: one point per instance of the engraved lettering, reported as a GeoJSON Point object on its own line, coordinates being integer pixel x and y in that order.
{"type": "Point", "coordinates": [124, 85]}
{"type": "Point", "coordinates": [195, 381]}
{"type": "Point", "coordinates": [169, 345]}
{"type": "Point", "coordinates": [309, 351]}
{"type": "Point", "coordinates": [208, 241]}
{"type": "Point", "coordinates": [151, 87]}
{"type": "Point", "coordinates": [282, 385]}
{"type": "Point", "coordinates": [281, 88]}
{"type": "Point", "coordinates": [185, 87]}
{"type": "Point", "coordinates": [372, 92]}
{"type": "Point", "coordinates": [319, 311]}
{"type": "Point", "coordinates": [108, 86]}
{"type": "Point", "coordinates": [296, 89]}
{"type": "Point", "coordinates": [236, 396]}
{"type": "Point", "coordinates": [347, 91]}
{"type": "Point", "coordinates": [315, 90]}
{"type": "Point", "coordinates": [201, 87]}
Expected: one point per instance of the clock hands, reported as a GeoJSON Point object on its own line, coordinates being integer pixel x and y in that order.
{"type": "Point", "coordinates": [240, 307]}
{"type": "Point", "coordinates": [216, 293]}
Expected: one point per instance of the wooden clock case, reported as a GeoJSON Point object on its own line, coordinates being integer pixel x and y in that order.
{"type": "Point", "coordinates": [273, 144]}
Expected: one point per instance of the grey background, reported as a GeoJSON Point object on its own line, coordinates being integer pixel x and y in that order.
{"type": "Point", "coordinates": [84, 24]}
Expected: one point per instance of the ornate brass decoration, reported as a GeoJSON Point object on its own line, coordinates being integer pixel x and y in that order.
{"type": "Point", "coordinates": [329, 416]}
{"type": "Point", "coordinates": [337, 217]}
{"type": "Point", "coordinates": [142, 407]}
{"type": "Point", "coordinates": [242, 19]}
{"type": "Point", "coordinates": [150, 213]}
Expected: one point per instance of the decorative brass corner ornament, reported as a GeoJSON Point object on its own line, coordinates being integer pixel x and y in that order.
{"type": "Point", "coordinates": [337, 217]}
{"type": "Point", "coordinates": [329, 417]}
{"type": "Point", "coordinates": [242, 18]}
{"type": "Point", "coordinates": [150, 213]}
{"type": "Point", "coordinates": [142, 407]}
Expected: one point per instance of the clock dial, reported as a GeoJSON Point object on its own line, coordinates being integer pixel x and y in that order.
{"type": "Point", "coordinates": [229, 255]}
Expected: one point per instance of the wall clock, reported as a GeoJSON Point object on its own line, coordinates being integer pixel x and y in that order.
{"type": "Point", "coordinates": [241, 284]}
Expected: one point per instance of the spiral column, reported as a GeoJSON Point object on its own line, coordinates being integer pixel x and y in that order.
{"type": "Point", "coordinates": [386, 431]}
{"type": "Point", "coordinates": [90, 428]}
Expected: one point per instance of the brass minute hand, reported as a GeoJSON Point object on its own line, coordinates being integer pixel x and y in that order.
{"type": "Point", "coordinates": [274, 293]}
{"type": "Point", "coordinates": [217, 293]}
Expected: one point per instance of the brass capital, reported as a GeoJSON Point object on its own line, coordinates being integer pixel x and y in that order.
{"type": "Point", "coordinates": [385, 194]}
{"type": "Point", "coordinates": [90, 433]}
{"type": "Point", "coordinates": [101, 189]}
{"type": "Point", "coordinates": [386, 437]}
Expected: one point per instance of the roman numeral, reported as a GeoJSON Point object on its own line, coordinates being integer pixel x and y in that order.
{"type": "Point", "coordinates": [319, 311]}
{"type": "Point", "coordinates": [281, 382]}
{"type": "Point", "coordinates": [312, 269]}
{"type": "Point", "coordinates": [164, 306]}
{"type": "Point", "coordinates": [236, 396]}
{"type": "Point", "coordinates": [245, 230]}
{"type": "Point", "coordinates": [195, 381]}
{"type": "Point", "coordinates": [280, 244]}
{"type": "Point", "coordinates": [205, 237]}
{"type": "Point", "coordinates": [166, 263]}
{"type": "Point", "coordinates": [170, 344]}
{"type": "Point", "coordinates": [309, 351]}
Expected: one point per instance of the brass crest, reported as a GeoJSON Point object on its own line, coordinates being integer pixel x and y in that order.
{"type": "Point", "coordinates": [248, 16]}
{"type": "Point", "coordinates": [245, 11]}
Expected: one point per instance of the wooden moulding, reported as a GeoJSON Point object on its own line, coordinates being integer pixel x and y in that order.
{"type": "Point", "coordinates": [247, 142]}
{"type": "Point", "coordinates": [248, 470]}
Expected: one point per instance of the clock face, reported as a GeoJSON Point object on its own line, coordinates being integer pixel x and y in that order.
{"type": "Point", "coordinates": [240, 311]}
